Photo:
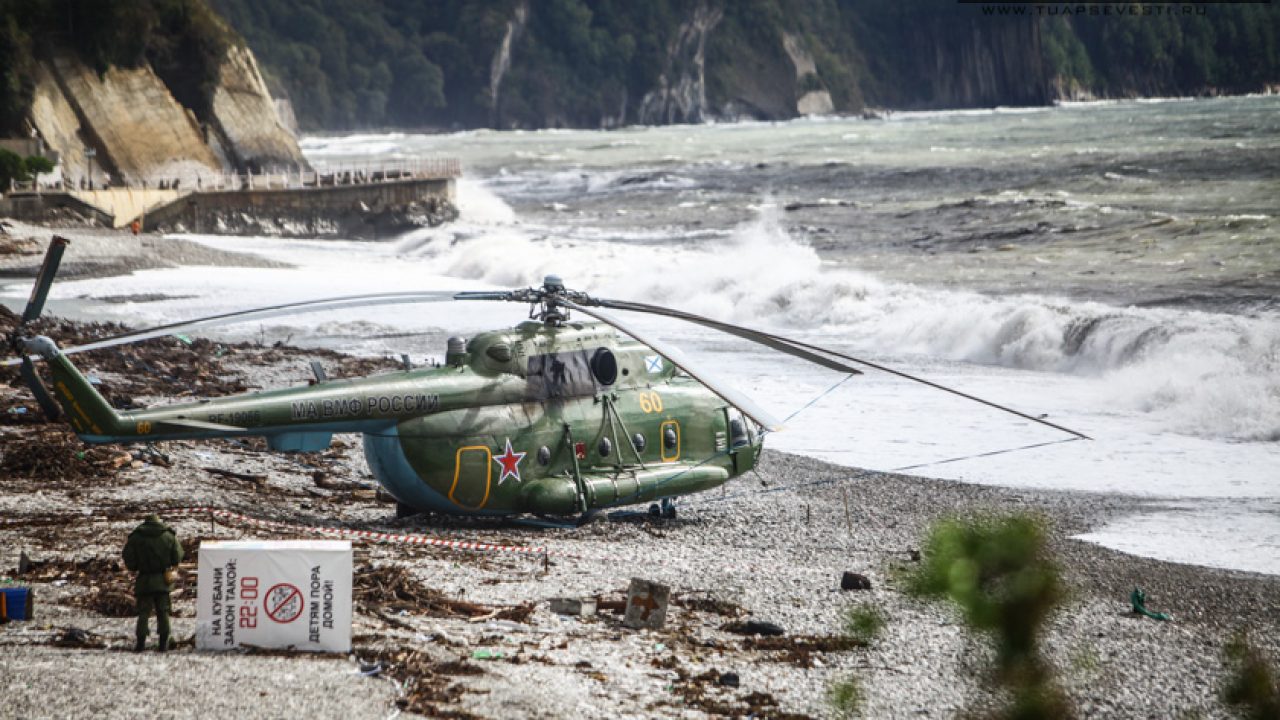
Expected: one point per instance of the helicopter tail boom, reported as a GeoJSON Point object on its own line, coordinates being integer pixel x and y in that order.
{"type": "Point", "coordinates": [88, 412]}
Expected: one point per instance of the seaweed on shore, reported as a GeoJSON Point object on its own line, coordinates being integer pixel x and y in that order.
{"type": "Point", "coordinates": [427, 684]}
{"type": "Point", "coordinates": [395, 589]}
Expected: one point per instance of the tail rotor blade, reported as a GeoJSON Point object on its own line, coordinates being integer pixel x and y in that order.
{"type": "Point", "coordinates": [44, 279]}
{"type": "Point", "coordinates": [47, 404]}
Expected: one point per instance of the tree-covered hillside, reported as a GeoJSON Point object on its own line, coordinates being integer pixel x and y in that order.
{"type": "Point", "coordinates": [1228, 49]}
{"type": "Point", "coordinates": [349, 64]}
{"type": "Point", "coordinates": [372, 63]}
{"type": "Point", "coordinates": [183, 40]}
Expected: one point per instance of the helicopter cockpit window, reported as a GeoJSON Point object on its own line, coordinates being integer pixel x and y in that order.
{"type": "Point", "coordinates": [604, 366]}
{"type": "Point", "coordinates": [742, 431]}
{"type": "Point", "coordinates": [563, 374]}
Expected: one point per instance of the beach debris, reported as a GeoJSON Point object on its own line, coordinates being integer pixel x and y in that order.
{"type": "Point", "coordinates": [53, 453]}
{"type": "Point", "coordinates": [73, 636]}
{"type": "Point", "coordinates": [729, 679]}
{"type": "Point", "coordinates": [754, 627]}
{"type": "Point", "coordinates": [390, 588]}
{"type": "Point", "coordinates": [854, 581]}
{"type": "Point", "coordinates": [428, 684]}
{"type": "Point", "coordinates": [573, 606]}
{"type": "Point", "coordinates": [487, 654]}
{"type": "Point", "coordinates": [232, 475]}
{"type": "Point", "coordinates": [799, 650]}
{"type": "Point", "coordinates": [109, 587]}
{"type": "Point", "coordinates": [705, 691]}
{"type": "Point", "coordinates": [700, 601]}
{"type": "Point", "coordinates": [1138, 599]}
{"type": "Point", "coordinates": [646, 605]}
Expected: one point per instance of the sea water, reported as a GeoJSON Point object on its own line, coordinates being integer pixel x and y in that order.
{"type": "Point", "coordinates": [1111, 266]}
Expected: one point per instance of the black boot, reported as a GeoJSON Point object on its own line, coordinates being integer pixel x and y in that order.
{"type": "Point", "coordinates": [140, 645]}
{"type": "Point", "coordinates": [164, 644]}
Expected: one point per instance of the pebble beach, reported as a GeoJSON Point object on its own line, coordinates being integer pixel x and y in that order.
{"type": "Point", "coordinates": [771, 546]}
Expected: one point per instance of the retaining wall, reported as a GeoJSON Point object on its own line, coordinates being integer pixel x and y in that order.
{"type": "Point", "coordinates": [312, 208]}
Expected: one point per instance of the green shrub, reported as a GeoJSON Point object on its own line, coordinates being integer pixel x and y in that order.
{"type": "Point", "coordinates": [845, 697]}
{"type": "Point", "coordinates": [1251, 685]}
{"type": "Point", "coordinates": [998, 571]}
{"type": "Point", "coordinates": [12, 167]}
{"type": "Point", "coordinates": [38, 164]}
{"type": "Point", "coordinates": [864, 623]}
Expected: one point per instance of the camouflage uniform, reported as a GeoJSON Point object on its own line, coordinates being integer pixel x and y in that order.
{"type": "Point", "coordinates": [151, 550]}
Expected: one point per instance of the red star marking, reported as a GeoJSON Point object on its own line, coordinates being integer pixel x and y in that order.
{"type": "Point", "coordinates": [509, 461]}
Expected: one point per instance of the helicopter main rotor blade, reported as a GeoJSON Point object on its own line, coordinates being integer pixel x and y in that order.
{"type": "Point", "coordinates": [343, 302]}
{"type": "Point", "coordinates": [797, 347]}
{"type": "Point", "coordinates": [724, 390]}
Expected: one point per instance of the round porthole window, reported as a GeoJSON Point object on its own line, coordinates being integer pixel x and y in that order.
{"type": "Point", "coordinates": [605, 447]}
{"type": "Point", "coordinates": [639, 442]}
{"type": "Point", "coordinates": [544, 455]}
{"type": "Point", "coordinates": [669, 438]}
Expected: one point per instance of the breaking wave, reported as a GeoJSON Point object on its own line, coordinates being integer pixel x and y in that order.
{"type": "Point", "coordinates": [1199, 373]}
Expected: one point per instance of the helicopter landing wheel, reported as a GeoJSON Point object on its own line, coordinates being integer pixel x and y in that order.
{"type": "Point", "coordinates": [666, 510]}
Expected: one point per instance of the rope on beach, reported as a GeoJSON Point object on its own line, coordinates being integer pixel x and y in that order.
{"type": "Point", "coordinates": [360, 535]}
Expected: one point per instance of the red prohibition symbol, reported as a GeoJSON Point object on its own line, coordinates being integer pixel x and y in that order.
{"type": "Point", "coordinates": [283, 603]}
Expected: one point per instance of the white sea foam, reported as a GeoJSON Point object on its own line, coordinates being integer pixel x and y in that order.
{"type": "Point", "coordinates": [1204, 374]}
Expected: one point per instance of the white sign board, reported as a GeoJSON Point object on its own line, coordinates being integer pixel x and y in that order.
{"type": "Point", "coordinates": [275, 594]}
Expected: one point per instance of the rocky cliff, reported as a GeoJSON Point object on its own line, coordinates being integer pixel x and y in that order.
{"type": "Point", "coordinates": [244, 120]}
{"type": "Point", "coordinates": [127, 116]}
{"type": "Point", "coordinates": [125, 124]}
{"type": "Point", "coordinates": [680, 93]}
{"type": "Point", "coordinates": [964, 62]}
{"type": "Point", "coordinates": [731, 61]}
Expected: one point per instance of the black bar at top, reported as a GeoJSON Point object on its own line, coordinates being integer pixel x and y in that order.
{"type": "Point", "coordinates": [1114, 2]}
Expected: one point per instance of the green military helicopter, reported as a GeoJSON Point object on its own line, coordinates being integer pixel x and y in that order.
{"type": "Point", "coordinates": [552, 417]}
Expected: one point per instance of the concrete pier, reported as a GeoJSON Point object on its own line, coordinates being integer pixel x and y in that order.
{"type": "Point", "coordinates": [361, 201]}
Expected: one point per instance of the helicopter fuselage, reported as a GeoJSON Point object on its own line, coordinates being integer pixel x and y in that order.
{"type": "Point", "coordinates": [542, 418]}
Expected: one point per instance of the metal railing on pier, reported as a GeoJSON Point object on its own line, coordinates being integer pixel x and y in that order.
{"type": "Point", "coordinates": [326, 175]}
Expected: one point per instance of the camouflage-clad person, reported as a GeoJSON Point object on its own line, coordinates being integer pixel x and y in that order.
{"type": "Point", "coordinates": [151, 551]}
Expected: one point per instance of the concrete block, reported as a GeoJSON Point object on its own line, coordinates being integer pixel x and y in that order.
{"type": "Point", "coordinates": [646, 605]}
{"type": "Point", "coordinates": [573, 606]}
